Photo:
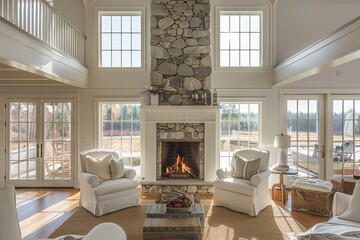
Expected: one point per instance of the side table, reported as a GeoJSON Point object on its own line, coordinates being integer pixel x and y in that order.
{"type": "Point", "coordinates": [281, 184]}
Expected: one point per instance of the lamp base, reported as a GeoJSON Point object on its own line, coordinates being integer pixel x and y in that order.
{"type": "Point", "coordinates": [277, 167]}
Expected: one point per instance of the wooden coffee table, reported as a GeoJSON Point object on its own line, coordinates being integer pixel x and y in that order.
{"type": "Point", "coordinates": [160, 224]}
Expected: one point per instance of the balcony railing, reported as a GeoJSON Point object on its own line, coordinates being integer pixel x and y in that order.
{"type": "Point", "coordinates": [41, 20]}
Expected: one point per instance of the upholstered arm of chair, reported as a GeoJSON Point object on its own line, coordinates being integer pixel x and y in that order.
{"type": "Point", "coordinates": [106, 231]}
{"type": "Point", "coordinates": [103, 231]}
{"type": "Point", "coordinates": [259, 178]}
{"type": "Point", "coordinates": [130, 173]}
{"type": "Point", "coordinates": [88, 180]}
{"type": "Point", "coordinates": [340, 203]}
{"type": "Point", "coordinates": [224, 172]}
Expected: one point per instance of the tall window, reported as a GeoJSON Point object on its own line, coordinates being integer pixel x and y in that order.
{"type": "Point", "coordinates": [120, 130]}
{"type": "Point", "coordinates": [120, 39]}
{"type": "Point", "coordinates": [240, 39]}
{"type": "Point", "coordinates": [240, 128]}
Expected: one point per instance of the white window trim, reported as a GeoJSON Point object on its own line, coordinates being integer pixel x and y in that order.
{"type": "Point", "coordinates": [263, 39]}
{"type": "Point", "coordinates": [97, 22]}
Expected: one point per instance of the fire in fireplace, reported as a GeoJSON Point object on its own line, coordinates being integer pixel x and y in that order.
{"type": "Point", "coordinates": [180, 160]}
{"type": "Point", "coordinates": [179, 168]}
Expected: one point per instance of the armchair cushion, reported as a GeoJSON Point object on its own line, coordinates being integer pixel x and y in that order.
{"type": "Point", "coordinates": [236, 185]}
{"type": "Point", "coordinates": [99, 167]}
{"type": "Point", "coordinates": [117, 169]}
{"type": "Point", "coordinates": [113, 186]}
{"type": "Point", "coordinates": [353, 211]}
{"type": "Point", "coordinates": [245, 168]}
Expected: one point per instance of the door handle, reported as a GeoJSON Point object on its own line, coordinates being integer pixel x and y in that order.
{"type": "Point", "coordinates": [41, 151]}
{"type": "Point", "coordinates": [37, 150]}
{"type": "Point", "coordinates": [323, 151]}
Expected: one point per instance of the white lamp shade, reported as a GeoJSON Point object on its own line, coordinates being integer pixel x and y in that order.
{"type": "Point", "coordinates": [282, 141]}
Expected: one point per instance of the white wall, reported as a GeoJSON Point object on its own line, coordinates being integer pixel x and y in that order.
{"type": "Point", "coordinates": [223, 78]}
{"type": "Point", "coordinates": [115, 78]}
{"type": "Point", "coordinates": [302, 23]}
{"type": "Point", "coordinates": [73, 11]}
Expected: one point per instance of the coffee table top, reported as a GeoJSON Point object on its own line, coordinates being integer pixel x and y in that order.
{"type": "Point", "coordinates": [159, 211]}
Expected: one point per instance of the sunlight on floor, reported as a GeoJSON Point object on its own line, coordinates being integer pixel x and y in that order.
{"type": "Point", "coordinates": [285, 221]}
{"type": "Point", "coordinates": [28, 197]}
{"type": "Point", "coordinates": [47, 215]}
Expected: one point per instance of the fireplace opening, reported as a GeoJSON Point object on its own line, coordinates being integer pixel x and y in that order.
{"type": "Point", "coordinates": [180, 160]}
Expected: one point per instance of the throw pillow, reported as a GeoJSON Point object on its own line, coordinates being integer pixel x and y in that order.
{"type": "Point", "coordinates": [245, 168]}
{"type": "Point", "coordinates": [99, 167]}
{"type": "Point", "coordinates": [353, 211]}
{"type": "Point", "coordinates": [117, 169]}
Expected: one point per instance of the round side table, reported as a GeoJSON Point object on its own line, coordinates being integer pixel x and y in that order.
{"type": "Point", "coordinates": [281, 184]}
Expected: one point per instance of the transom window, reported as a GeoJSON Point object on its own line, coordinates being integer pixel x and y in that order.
{"type": "Point", "coordinates": [120, 39]}
{"type": "Point", "coordinates": [240, 39]}
{"type": "Point", "coordinates": [239, 128]}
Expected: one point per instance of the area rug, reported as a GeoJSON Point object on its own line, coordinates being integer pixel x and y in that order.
{"type": "Point", "coordinates": [220, 223]}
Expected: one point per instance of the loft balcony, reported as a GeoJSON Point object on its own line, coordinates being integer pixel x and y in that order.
{"type": "Point", "coordinates": [39, 46]}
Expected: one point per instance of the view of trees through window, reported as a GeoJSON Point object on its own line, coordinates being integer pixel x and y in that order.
{"type": "Point", "coordinates": [121, 131]}
{"type": "Point", "coordinates": [239, 128]}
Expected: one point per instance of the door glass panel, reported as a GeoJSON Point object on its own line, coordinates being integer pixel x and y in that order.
{"type": "Point", "coordinates": [303, 127]}
{"type": "Point", "coordinates": [346, 137]}
{"type": "Point", "coordinates": [57, 140]}
{"type": "Point", "coordinates": [22, 143]}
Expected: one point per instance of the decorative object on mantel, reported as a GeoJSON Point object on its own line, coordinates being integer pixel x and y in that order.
{"type": "Point", "coordinates": [154, 99]}
{"type": "Point", "coordinates": [200, 98]}
{"type": "Point", "coordinates": [215, 98]}
{"type": "Point", "coordinates": [154, 92]}
{"type": "Point", "coordinates": [283, 142]}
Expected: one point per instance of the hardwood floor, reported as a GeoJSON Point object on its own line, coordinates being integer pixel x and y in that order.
{"type": "Point", "coordinates": [43, 210]}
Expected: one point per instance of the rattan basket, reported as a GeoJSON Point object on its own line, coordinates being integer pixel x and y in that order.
{"type": "Point", "coordinates": [313, 202]}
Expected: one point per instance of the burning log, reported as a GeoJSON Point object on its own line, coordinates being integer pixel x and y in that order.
{"type": "Point", "coordinates": [179, 169]}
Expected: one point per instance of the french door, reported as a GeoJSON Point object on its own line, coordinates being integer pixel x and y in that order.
{"type": "Point", "coordinates": [305, 125]}
{"type": "Point", "coordinates": [39, 142]}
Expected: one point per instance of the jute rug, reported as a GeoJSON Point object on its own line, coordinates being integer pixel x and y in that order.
{"type": "Point", "coordinates": [272, 223]}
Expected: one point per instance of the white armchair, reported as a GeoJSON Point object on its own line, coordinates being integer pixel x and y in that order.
{"type": "Point", "coordinates": [10, 228]}
{"type": "Point", "coordinates": [102, 197]}
{"type": "Point", "coordinates": [241, 195]}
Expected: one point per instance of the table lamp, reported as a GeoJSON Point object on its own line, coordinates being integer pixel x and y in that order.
{"type": "Point", "coordinates": [283, 143]}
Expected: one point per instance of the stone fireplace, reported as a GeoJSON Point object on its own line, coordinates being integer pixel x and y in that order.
{"type": "Point", "coordinates": [179, 137]}
{"type": "Point", "coordinates": [180, 151]}
{"type": "Point", "coordinates": [195, 127]}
